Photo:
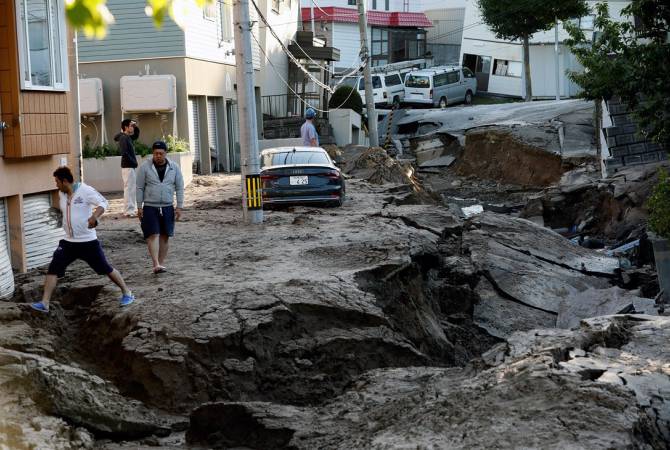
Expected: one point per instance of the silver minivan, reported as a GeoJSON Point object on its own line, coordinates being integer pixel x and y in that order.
{"type": "Point", "coordinates": [440, 86]}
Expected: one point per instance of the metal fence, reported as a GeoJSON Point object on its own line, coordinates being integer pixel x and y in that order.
{"type": "Point", "coordinates": [289, 105]}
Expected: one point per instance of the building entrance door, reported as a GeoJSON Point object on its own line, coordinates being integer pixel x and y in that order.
{"type": "Point", "coordinates": [481, 67]}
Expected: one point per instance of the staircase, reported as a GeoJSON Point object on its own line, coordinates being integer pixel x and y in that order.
{"type": "Point", "coordinates": [623, 146]}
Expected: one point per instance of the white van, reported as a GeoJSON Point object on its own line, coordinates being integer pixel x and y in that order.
{"type": "Point", "coordinates": [387, 88]}
{"type": "Point", "coordinates": [440, 86]}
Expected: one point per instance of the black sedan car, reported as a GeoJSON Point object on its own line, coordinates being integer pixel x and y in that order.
{"type": "Point", "coordinates": [298, 175]}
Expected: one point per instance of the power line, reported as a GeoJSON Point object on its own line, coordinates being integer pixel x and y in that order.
{"type": "Point", "coordinates": [290, 55]}
{"type": "Point", "coordinates": [289, 86]}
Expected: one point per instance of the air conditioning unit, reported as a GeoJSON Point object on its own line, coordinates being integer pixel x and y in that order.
{"type": "Point", "coordinates": [148, 93]}
{"type": "Point", "coordinates": [90, 97]}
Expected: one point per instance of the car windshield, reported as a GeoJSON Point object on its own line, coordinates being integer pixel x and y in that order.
{"type": "Point", "coordinates": [417, 81]}
{"type": "Point", "coordinates": [291, 157]}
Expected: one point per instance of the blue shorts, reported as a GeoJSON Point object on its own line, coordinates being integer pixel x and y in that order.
{"type": "Point", "coordinates": [157, 220]}
{"type": "Point", "coordinates": [68, 252]}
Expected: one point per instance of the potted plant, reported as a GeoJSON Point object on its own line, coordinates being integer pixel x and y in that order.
{"type": "Point", "coordinates": [659, 224]}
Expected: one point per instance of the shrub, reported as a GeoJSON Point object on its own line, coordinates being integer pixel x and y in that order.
{"type": "Point", "coordinates": [142, 149]}
{"type": "Point", "coordinates": [176, 145]}
{"type": "Point", "coordinates": [346, 97]}
{"type": "Point", "coordinates": [99, 151]}
{"type": "Point", "coordinates": [659, 206]}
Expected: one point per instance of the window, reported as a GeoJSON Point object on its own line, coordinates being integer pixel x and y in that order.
{"type": "Point", "coordinates": [376, 83]}
{"type": "Point", "coordinates": [392, 80]}
{"type": "Point", "coordinates": [284, 158]}
{"type": "Point", "coordinates": [453, 77]}
{"type": "Point", "coordinates": [226, 33]}
{"type": "Point", "coordinates": [417, 81]}
{"type": "Point", "coordinates": [483, 64]}
{"type": "Point", "coordinates": [440, 80]}
{"type": "Point", "coordinates": [351, 2]}
{"type": "Point", "coordinates": [504, 68]}
{"type": "Point", "coordinates": [209, 11]}
{"type": "Point", "coordinates": [275, 5]}
{"type": "Point", "coordinates": [43, 47]}
{"type": "Point", "coordinates": [380, 46]}
{"type": "Point", "coordinates": [386, 5]}
{"type": "Point", "coordinates": [374, 4]}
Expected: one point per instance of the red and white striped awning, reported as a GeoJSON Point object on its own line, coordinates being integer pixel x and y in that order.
{"type": "Point", "coordinates": [375, 18]}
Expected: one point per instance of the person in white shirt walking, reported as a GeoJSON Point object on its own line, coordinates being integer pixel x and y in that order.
{"type": "Point", "coordinates": [77, 201]}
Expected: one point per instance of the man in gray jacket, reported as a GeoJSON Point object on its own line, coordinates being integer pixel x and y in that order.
{"type": "Point", "coordinates": [158, 180]}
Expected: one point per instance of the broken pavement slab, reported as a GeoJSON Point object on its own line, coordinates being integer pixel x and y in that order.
{"type": "Point", "coordinates": [569, 382]}
{"type": "Point", "coordinates": [442, 161]}
{"type": "Point", "coordinates": [80, 397]}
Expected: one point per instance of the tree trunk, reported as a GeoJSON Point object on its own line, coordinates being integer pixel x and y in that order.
{"type": "Point", "coordinates": [526, 69]}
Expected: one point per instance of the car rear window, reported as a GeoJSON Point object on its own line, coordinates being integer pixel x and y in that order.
{"type": "Point", "coordinates": [417, 81]}
{"type": "Point", "coordinates": [291, 157]}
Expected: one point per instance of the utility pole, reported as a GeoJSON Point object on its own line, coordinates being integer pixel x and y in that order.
{"type": "Point", "coordinates": [252, 206]}
{"type": "Point", "coordinates": [558, 82]}
{"type": "Point", "coordinates": [369, 94]}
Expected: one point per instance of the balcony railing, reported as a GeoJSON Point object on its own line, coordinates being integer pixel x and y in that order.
{"type": "Point", "coordinates": [289, 105]}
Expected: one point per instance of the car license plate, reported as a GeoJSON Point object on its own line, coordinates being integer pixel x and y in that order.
{"type": "Point", "coordinates": [297, 181]}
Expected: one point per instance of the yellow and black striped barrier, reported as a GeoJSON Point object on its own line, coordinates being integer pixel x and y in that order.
{"type": "Point", "coordinates": [254, 192]}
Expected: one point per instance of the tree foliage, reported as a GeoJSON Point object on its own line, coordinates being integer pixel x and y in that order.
{"type": "Point", "coordinates": [92, 17]}
{"type": "Point", "coordinates": [346, 97]}
{"type": "Point", "coordinates": [629, 60]}
{"type": "Point", "coordinates": [520, 19]}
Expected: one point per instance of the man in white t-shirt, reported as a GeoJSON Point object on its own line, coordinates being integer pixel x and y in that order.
{"type": "Point", "coordinates": [77, 203]}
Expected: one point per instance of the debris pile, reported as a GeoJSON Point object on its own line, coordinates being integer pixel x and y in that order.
{"type": "Point", "coordinates": [495, 154]}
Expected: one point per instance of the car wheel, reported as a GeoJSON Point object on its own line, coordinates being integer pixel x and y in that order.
{"type": "Point", "coordinates": [468, 98]}
{"type": "Point", "coordinates": [343, 197]}
{"type": "Point", "coordinates": [443, 102]}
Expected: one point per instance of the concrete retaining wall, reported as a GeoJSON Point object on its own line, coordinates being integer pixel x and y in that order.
{"type": "Point", "coordinates": [105, 174]}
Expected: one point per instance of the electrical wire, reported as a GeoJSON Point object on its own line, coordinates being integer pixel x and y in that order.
{"type": "Point", "coordinates": [288, 53]}
{"type": "Point", "coordinates": [289, 86]}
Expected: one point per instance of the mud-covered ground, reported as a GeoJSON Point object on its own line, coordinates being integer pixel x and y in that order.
{"type": "Point", "coordinates": [379, 324]}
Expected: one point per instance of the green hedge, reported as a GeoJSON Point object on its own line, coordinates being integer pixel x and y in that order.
{"type": "Point", "coordinates": [175, 145]}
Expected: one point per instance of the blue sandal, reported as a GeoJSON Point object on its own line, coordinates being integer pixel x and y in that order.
{"type": "Point", "coordinates": [39, 306]}
{"type": "Point", "coordinates": [127, 300]}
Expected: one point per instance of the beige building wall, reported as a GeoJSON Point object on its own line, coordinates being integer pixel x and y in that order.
{"type": "Point", "coordinates": [29, 175]}
{"type": "Point", "coordinates": [152, 126]}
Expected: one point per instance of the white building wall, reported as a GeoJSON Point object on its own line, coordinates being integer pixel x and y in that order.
{"type": "Point", "coordinates": [202, 39]}
{"type": "Point", "coordinates": [346, 37]}
{"type": "Point", "coordinates": [478, 39]}
{"type": "Point", "coordinates": [447, 26]}
{"type": "Point", "coordinates": [284, 22]}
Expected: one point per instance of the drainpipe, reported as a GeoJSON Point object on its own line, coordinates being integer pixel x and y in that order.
{"type": "Point", "coordinates": [78, 109]}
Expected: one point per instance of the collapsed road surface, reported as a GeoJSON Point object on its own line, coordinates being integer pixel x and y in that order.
{"type": "Point", "coordinates": [376, 325]}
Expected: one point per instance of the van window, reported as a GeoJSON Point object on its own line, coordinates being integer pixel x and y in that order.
{"type": "Point", "coordinates": [440, 80]}
{"type": "Point", "coordinates": [453, 77]}
{"type": "Point", "coordinates": [376, 83]}
{"type": "Point", "coordinates": [417, 81]}
{"type": "Point", "coordinates": [393, 80]}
